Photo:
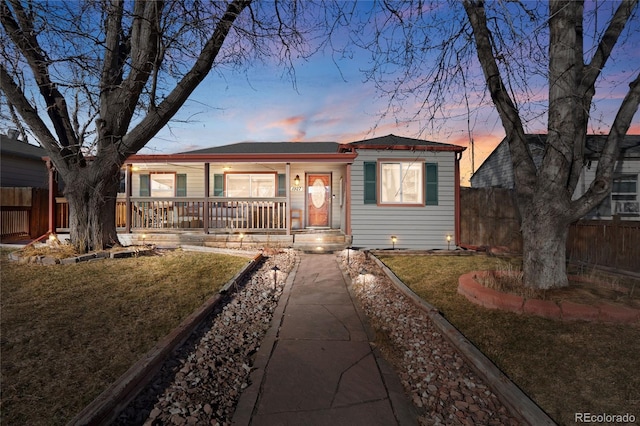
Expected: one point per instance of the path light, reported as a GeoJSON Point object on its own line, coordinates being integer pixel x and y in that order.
{"type": "Point", "coordinates": [448, 242]}
{"type": "Point", "coordinates": [363, 274]}
{"type": "Point", "coordinates": [241, 236]}
{"type": "Point", "coordinates": [394, 240]}
{"type": "Point", "coordinates": [275, 270]}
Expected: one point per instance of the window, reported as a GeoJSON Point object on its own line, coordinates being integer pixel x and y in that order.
{"type": "Point", "coordinates": [163, 184]}
{"type": "Point", "coordinates": [624, 196]}
{"type": "Point", "coordinates": [401, 183]}
{"type": "Point", "coordinates": [251, 185]}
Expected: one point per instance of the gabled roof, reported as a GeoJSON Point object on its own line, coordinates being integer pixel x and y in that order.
{"type": "Point", "coordinates": [497, 166]}
{"type": "Point", "coordinates": [393, 142]}
{"type": "Point", "coordinates": [14, 147]}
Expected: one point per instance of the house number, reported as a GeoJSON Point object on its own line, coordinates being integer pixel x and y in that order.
{"type": "Point", "coordinates": [296, 189]}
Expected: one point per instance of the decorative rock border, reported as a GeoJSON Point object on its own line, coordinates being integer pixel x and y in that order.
{"type": "Point", "coordinates": [509, 394]}
{"type": "Point", "coordinates": [476, 293]}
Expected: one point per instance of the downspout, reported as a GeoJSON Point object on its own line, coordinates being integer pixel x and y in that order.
{"type": "Point", "coordinates": [458, 156]}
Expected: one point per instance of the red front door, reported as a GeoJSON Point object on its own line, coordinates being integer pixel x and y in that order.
{"type": "Point", "coordinates": [318, 199]}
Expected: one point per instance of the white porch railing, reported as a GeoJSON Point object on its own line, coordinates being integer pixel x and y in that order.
{"type": "Point", "coordinates": [219, 214]}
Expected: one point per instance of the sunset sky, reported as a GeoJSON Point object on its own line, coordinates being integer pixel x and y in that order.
{"type": "Point", "coordinates": [333, 102]}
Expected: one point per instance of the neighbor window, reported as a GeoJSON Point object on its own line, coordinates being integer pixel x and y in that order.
{"type": "Point", "coordinates": [624, 196]}
{"type": "Point", "coordinates": [251, 185]}
{"type": "Point", "coordinates": [401, 183]}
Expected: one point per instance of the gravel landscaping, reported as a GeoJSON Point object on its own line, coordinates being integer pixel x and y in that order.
{"type": "Point", "coordinates": [441, 384]}
{"type": "Point", "coordinates": [202, 384]}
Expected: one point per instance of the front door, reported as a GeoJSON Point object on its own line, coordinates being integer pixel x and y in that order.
{"type": "Point", "coordinates": [318, 199]}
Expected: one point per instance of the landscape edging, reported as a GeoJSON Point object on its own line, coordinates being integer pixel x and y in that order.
{"type": "Point", "coordinates": [507, 391]}
{"type": "Point", "coordinates": [476, 293]}
{"type": "Point", "coordinates": [105, 408]}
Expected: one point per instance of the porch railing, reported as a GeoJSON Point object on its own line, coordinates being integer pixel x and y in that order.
{"type": "Point", "coordinates": [217, 214]}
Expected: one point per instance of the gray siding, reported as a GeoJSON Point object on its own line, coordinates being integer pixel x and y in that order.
{"type": "Point", "coordinates": [415, 227]}
{"type": "Point", "coordinates": [25, 172]}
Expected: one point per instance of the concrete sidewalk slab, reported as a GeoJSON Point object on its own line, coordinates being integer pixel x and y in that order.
{"type": "Point", "coordinates": [318, 367]}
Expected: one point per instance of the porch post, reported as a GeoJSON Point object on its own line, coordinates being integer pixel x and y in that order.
{"type": "Point", "coordinates": [52, 197]}
{"type": "Point", "coordinates": [456, 184]}
{"type": "Point", "coordinates": [128, 179]}
{"type": "Point", "coordinates": [347, 201]}
{"type": "Point", "coordinates": [207, 178]}
{"type": "Point", "coordinates": [288, 192]}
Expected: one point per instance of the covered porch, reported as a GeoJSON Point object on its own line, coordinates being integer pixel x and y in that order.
{"type": "Point", "coordinates": [231, 197]}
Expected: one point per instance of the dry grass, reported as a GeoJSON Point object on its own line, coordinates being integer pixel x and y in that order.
{"type": "Point", "coordinates": [564, 367]}
{"type": "Point", "coordinates": [68, 331]}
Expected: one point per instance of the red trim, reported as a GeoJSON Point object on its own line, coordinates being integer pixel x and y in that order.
{"type": "Point", "coordinates": [454, 148]}
{"type": "Point", "coordinates": [240, 158]}
{"type": "Point", "coordinates": [457, 198]}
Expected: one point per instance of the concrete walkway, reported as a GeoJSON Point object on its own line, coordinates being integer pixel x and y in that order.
{"type": "Point", "coordinates": [316, 366]}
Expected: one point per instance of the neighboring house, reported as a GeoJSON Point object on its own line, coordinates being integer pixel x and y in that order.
{"type": "Point", "coordinates": [24, 179]}
{"type": "Point", "coordinates": [21, 164]}
{"type": "Point", "coordinates": [367, 191]}
{"type": "Point", "coordinates": [624, 201]}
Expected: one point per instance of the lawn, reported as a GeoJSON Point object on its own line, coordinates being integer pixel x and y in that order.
{"type": "Point", "coordinates": [68, 331]}
{"type": "Point", "coordinates": [565, 367]}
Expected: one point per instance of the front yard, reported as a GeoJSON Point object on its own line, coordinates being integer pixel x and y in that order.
{"type": "Point", "coordinates": [565, 367]}
{"type": "Point", "coordinates": [68, 331]}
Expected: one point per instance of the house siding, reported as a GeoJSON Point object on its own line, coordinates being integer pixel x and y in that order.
{"type": "Point", "coordinates": [195, 180]}
{"type": "Point", "coordinates": [23, 172]}
{"type": "Point", "coordinates": [194, 172]}
{"type": "Point", "coordinates": [423, 227]}
{"type": "Point", "coordinates": [629, 166]}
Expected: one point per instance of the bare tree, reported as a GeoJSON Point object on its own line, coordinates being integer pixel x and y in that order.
{"type": "Point", "coordinates": [95, 81]}
{"type": "Point", "coordinates": [521, 49]}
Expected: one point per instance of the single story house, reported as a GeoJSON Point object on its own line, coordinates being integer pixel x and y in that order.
{"type": "Point", "coordinates": [497, 172]}
{"type": "Point", "coordinates": [381, 193]}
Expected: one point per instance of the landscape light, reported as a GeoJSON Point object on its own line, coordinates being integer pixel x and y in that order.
{"type": "Point", "coordinates": [394, 239]}
{"type": "Point", "coordinates": [448, 242]}
{"type": "Point", "coordinates": [241, 236]}
{"type": "Point", "coordinates": [275, 270]}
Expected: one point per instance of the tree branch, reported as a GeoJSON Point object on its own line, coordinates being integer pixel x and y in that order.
{"type": "Point", "coordinates": [156, 119]}
{"type": "Point", "coordinates": [523, 166]}
{"type": "Point", "coordinates": [23, 35]}
{"type": "Point", "coordinates": [602, 183]}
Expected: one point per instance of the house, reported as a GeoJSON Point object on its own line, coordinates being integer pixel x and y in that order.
{"type": "Point", "coordinates": [497, 172]}
{"type": "Point", "coordinates": [359, 193]}
{"type": "Point", "coordinates": [24, 179]}
{"type": "Point", "coordinates": [21, 163]}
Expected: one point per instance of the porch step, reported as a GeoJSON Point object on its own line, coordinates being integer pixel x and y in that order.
{"type": "Point", "coordinates": [321, 242]}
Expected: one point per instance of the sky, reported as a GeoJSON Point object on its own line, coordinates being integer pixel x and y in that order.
{"type": "Point", "coordinates": [331, 101]}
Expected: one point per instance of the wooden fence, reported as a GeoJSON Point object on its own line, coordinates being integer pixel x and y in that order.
{"type": "Point", "coordinates": [614, 244]}
{"type": "Point", "coordinates": [23, 212]}
{"type": "Point", "coordinates": [490, 217]}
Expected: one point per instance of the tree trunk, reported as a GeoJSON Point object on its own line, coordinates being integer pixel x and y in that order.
{"type": "Point", "coordinates": [545, 229]}
{"type": "Point", "coordinates": [92, 207]}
